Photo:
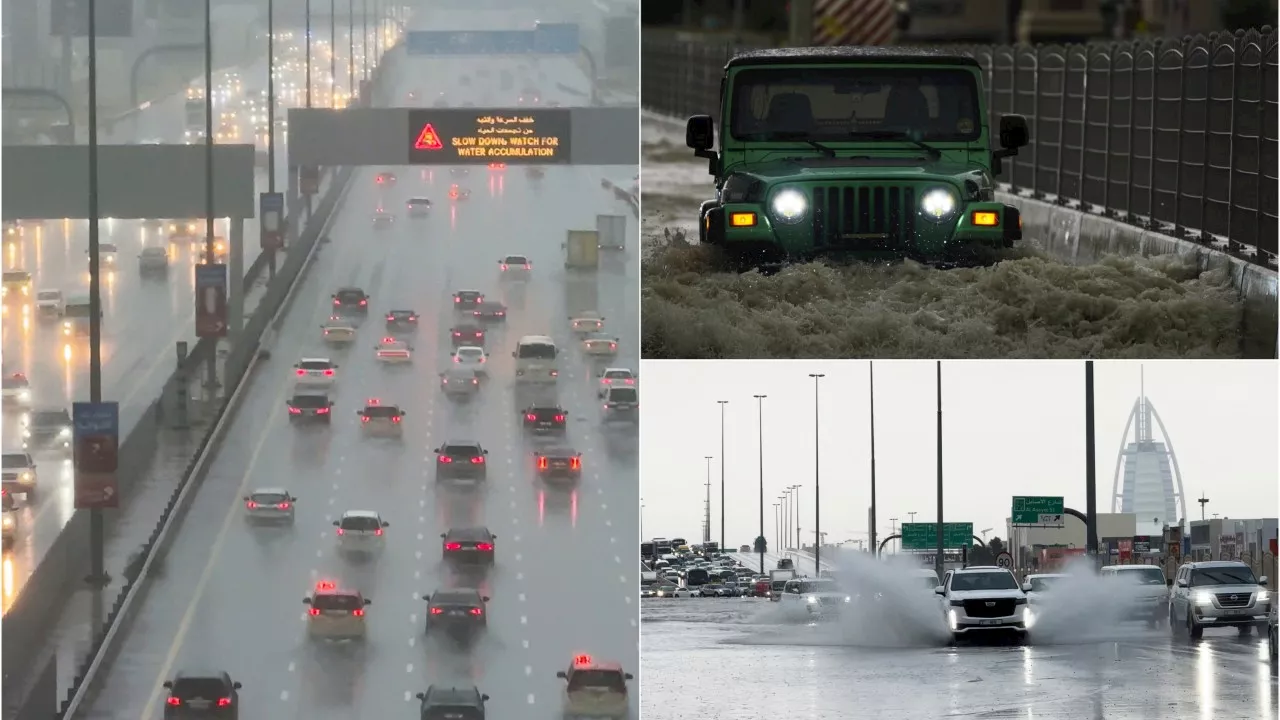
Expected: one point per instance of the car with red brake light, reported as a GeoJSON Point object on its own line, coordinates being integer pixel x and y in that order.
{"type": "Point", "coordinates": [467, 300]}
{"type": "Point", "coordinates": [461, 460]}
{"type": "Point", "coordinates": [459, 383]}
{"type": "Point", "coordinates": [558, 463]}
{"type": "Point", "coordinates": [468, 545]}
{"type": "Point", "coordinates": [338, 331]}
{"type": "Point", "coordinates": [490, 311]}
{"type": "Point", "coordinates": [351, 300]}
{"type": "Point", "coordinates": [315, 372]}
{"type": "Point", "coordinates": [621, 405]}
{"type": "Point", "coordinates": [393, 351]}
{"type": "Point", "coordinates": [202, 694]}
{"type": "Point", "coordinates": [383, 219]}
{"type": "Point", "coordinates": [600, 345]}
{"type": "Point", "coordinates": [473, 358]}
{"type": "Point", "coordinates": [269, 505]}
{"type": "Point", "coordinates": [460, 613]}
{"type": "Point", "coordinates": [386, 177]}
{"type": "Point", "coordinates": [545, 420]}
{"type": "Point", "coordinates": [402, 321]}
{"type": "Point", "coordinates": [616, 377]}
{"type": "Point", "coordinates": [595, 689]}
{"type": "Point", "coordinates": [335, 613]}
{"type": "Point", "coordinates": [379, 419]}
{"type": "Point", "coordinates": [515, 267]}
{"type": "Point", "coordinates": [586, 323]}
{"type": "Point", "coordinates": [313, 405]}
{"type": "Point", "coordinates": [467, 334]}
{"type": "Point", "coordinates": [361, 531]}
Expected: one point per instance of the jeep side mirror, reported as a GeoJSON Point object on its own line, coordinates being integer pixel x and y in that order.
{"type": "Point", "coordinates": [306, 601]}
{"type": "Point", "coordinates": [485, 598]}
{"type": "Point", "coordinates": [1026, 587]}
{"type": "Point", "coordinates": [421, 696]}
{"type": "Point", "coordinates": [168, 684]}
{"type": "Point", "coordinates": [1263, 580]}
{"type": "Point", "coordinates": [484, 698]}
{"type": "Point", "coordinates": [560, 675]}
{"type": "Point", "coordinates": [699, 133]}
{"type": "Point", "coordinates": [236, 685]}
{"type": "Point", "coordinates": [629, 676]}
{"type": "Point", "coordinates": [1182, 583]}
{"type": "Point", "coordinates": [513, 353]}
{"type": "Point", "coordinates": [444, 535]}
{"type": "Point", "coordinates": [486, 452]}
{"type": "Point", "coordinates": [367, 601]}
{"type": "Point", "coordinates": [386, 524]}
{"type": "Point", "coordinates": [336, 523]}
{"type": "Point", "coordinates": [1013, 132]}
{"type": "Point", "coordinates": [938, 590]}
{"type": "Point", "coordinates": [1013, 135]}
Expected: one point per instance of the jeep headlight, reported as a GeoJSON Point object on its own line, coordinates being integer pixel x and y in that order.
{"type": "Point", "coordinates": [8, 522]}
{"type": "Point", "coordinates": [789, 206]}
{"type": "Point", "coordinates": [811, 600]}
{"type": "Point", "coordinates": [64, 432]}
{"type": "Point", "coordinates": [1263, 596]}
{"type": "Point", "coordinates": [1203, 598]}
{"type": "Point", "coordinates": [938, 205]}
{"type": "Point", "coordinates": [24, 396]}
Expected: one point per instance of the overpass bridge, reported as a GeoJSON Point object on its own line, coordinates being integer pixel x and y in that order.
{"type": "Point", "coordinates": [195, 578]}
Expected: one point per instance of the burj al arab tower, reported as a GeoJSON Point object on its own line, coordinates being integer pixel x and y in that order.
{"type": "Point", "coordinates": [1147, 480]}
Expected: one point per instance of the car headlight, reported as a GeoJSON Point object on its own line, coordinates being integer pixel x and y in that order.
{"type": "Point", "coordinates": [1263, 596]}
{"type": "Point", "coordinates": [8, 521]}
{"type": "Point", "coordinates": [26, 432]}
{"type": "Point", "coordinates": [789, 206]}
{"type": "Point", "coordinates": [64, 432]}
{"type": "Point", "coordinates": [1202, 598]}
{"type": "Point", "coordinates": [811, 600]}
{"type": "Point", "coordinates": [1028, 618]}
{"type": "Point", "coordinates": [24, 396]}
{"type": "Point", "coordinates": [938, 205]}
{"type": "Point", "coordinates": [26, 475]}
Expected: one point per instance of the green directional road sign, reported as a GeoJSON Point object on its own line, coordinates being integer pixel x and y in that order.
{"type": "Point", "coordinates": [1037, 510]}
{"type": "Point", "coordinates": [924, 536]}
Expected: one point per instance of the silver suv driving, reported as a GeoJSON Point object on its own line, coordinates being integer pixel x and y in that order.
{"type": "Point", "coordinates": [1218, 594]}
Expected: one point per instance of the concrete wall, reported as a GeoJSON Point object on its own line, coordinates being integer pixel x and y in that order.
{"type": "Point", "coordinates": [1079, 238]}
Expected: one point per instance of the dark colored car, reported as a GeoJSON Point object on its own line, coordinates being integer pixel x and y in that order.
{"type": "Point", "coordinates": [545, 420]}
{"type": "Point", "coordinates": [558, 463]}
{"type": "Point", "coordinates": [490, 311]}
{"type": "Point", "coordinates": [467, 300]}
{"type": "Point", "coordinates": [452, 703]}
{"type": "Point", "coordinates": [467, 334]}
{"type": "Point", "coordinates": [48, 429]}
{"type": "Point", "coordinates": [459, 613]}
{"type": "Point", "coordinates": [351, 299]}
{"type": "Point", "coordinates": [402, 320]}
{"type": "Point", "coordinates": [304, 406]}
{"type": "Point", "coordinates": [468, 545]}
{"type": "Point", "coordinates": [461, 460]}
{"type": "Point", "coordinates": [202, 694]}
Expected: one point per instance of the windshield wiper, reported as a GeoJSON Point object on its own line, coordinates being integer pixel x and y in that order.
{"type": "Point", "coordinates": [802, 137]}
{"type": "Point", "coordinates": [934, 152]}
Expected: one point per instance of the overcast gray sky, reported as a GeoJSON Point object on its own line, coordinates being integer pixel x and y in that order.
{"type": "Point", "coordinates": [1009, 428]}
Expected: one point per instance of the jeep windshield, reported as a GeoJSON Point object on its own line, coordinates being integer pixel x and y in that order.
{"type": "Point", "coordinates": [1229, 575]}
{"type": "Point", "coordinates": [844, 104]}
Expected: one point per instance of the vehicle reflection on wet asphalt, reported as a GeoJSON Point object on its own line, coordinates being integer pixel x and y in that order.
{"type": "Point", "coordinates": [731, 659]}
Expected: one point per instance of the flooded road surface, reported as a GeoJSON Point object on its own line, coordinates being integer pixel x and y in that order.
{"type": "Point", "coordinates": [731, 659]}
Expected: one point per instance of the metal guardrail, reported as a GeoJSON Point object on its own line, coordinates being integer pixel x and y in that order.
{"type": "Point", "coordinates": [1178, 137]}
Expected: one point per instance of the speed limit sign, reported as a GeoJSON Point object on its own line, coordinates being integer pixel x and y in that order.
{"type": "Point", "coordinates": [1004, 560]}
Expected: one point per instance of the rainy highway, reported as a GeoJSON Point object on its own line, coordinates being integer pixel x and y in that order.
{"type": "Point", "coordinates": [143, 320]}
{"type": "Point", "coordinates": [229, 597]}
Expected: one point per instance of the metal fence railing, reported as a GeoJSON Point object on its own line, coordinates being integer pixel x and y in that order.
{"type": "Point", "coordinates": [1174, 136]}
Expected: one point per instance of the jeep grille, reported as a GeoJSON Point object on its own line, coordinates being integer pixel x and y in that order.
{"type": "Point", "coordinates": [864, 217]}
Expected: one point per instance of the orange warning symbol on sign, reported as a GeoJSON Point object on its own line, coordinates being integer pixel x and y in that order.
{"type": "Point", "coordinates": [428, 139]}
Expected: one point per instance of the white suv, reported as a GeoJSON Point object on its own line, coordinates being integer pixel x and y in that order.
{"type": "Point", "coordinates": [1148, 598]}
{"type": "Point", "coordinates": [1218, 594]}
{"type": "Point", "coordinates": [984, 599]}
{"type": "Point", "coordinates": [819, 597]}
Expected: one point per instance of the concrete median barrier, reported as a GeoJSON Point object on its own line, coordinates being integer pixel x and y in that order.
{"type": "Point", "coordinates": [40, 604]}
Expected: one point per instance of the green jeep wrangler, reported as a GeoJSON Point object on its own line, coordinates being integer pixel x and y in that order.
{"type": "Point", "coordinates": [865, 151]}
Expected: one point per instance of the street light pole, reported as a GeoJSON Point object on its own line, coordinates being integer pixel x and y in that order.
{"type": "Point", "coordinates": [760, 426]}
{"type": "Point", "coordinates": [308, 41]}
{"type": "Point", "coordinates": [937, 561]}
{"type": "Point", "coordinates": [871, 381]}
{"type": "Point", "coordinates": [351, 49]}
{"type": "Point", "coordinates": [209, 257]}
{"type": "Point", "coordinates": [722, 403]}
{"type": "Point", "coordinates": [795, 504]}
{"type": "Point", "coordinates": [98, 578]}
{"type": "Point", "coordinates": [776, 517]}
{"type": "Point", "coordinates": [641, 519]}
{"type": "Point", "coordinates": [817, 488]}
{"type": "Point", "coordinates": [706, 532]}
{"type": "Point", "coordinates": [786, 519]}
{"type": "Point", "coordinates": [333, 53]}
{"type": "Point", "coordinates": [892, 531]}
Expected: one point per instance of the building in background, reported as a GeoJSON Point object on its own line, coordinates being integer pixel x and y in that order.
{"type": "Point", "coordinates": [1147, 481]}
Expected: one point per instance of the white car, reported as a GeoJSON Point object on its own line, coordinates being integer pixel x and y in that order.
{"type": "Point", "coordinates": [334, 613]}
{"type": "Point", "coordinates": [984, 599]}
{"type": "Point", "coordinates": [1147, 591]}
{"type": "Point", "coordinates": [617, 377]}
{"type": "Point", "coordinates": [19, 470]}
{"type": "Point", "coordinates": [339, 330]}
{"type": "Point", "coordinates": [1038, 587]}
{"type": "Point", "coordinates": [470, 357]}
{"type": "Point", "coordinates": [598, 345]}
{"type": "Point", "coordinates": [391, 350]}
{"type": "Point", "coordinates": [49, 304]}
{"type": "Point", "coordinates": [515, 267]}
{"type": "Point", "coordinates": [8, 519]}
{"type": "Point", "coordinates": [106, 254]}
{"type": "Point", "coordinates": [360, 531]}
{"type": "Point", "coordinates": [269, 505]}
{"type": "Point", "coordinates": [586, 323]}
{"type": "Point", "coordinates": [315, 372]}
{"type": "Point", "coordinates": [816, 597]}
{"type": "Point", "coordinates": [668, 591]}
{"type": "Point", "coordinates": [16, 390]}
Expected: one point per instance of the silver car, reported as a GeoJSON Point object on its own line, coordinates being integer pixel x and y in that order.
{"type": "Point", "coordinates": [273, 505]}
{"type": "Point", "coordinates": [1218, 594]}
